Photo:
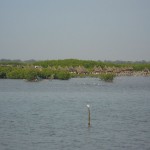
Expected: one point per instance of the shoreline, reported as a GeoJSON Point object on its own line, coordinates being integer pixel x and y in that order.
{"type": "Point", "coordinates": [66, 69]}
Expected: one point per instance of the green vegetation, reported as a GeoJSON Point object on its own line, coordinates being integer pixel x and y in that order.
{"type": "Point", "coordinates": [68, 68]}
{"type": "Point", "coordinates": [68, 62]}
{"type": "Point", "coordinates": [89, 64]}
{"type": "Point", "coordinates": [32, 74]}
{"type": "Point", "coordinates": [107, 77]}
{"type": "Point", "coordinates": [62, 75]}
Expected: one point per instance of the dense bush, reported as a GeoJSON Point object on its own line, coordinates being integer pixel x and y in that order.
{"type": "Point", "coordinates": [62, 75]}
{"type": "Point", "coordinates": [65, 69]}
{"type": "Point", "coordinates": [107, 77]}
{"type": "Point", "coordinates": [140, 67]}
{"type": "Point", "coordinates": [2, 75]}
{"type": "Point", "coordinates": [16, 74]}
{"type": "Point", "coordinates": [69, 62]}
{"type": "Point", "coordinates": [46, 73]}
{"type": "Point", "coordinates": [31, 74]}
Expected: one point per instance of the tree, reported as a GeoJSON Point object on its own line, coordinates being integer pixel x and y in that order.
{"type": "Point", "coordinates": [107, 77]}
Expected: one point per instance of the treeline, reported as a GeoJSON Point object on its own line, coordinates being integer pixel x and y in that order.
{"type": "Point", "coordinates": [89, 64]}
{"type": "Point", "coordinates": [68, 63]}
{"type": "Point", "coordinates": [32, 74]}
{"type": "Point", "coordinates": [64, 69]}
{"type": "Point", "coordinates": [105, 61]}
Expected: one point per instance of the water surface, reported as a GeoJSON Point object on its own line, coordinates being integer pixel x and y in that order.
{"type": "Point", "coordinates": [53, 115]}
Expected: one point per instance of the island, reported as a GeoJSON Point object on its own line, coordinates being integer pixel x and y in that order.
{"type": "Point", "coordinates": [70, 68]}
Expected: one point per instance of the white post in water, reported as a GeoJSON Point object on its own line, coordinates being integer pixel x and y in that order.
{"type": "Point", "coordinates": [89, 115]}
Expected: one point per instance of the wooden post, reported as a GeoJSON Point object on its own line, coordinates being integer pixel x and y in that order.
{"type": "Point", "coordinates": [89, 122]}
{"type": "Point", "coordinates": [89, 116]}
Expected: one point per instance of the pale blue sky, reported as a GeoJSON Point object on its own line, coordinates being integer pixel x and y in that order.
{"type": "Point", "coordinates": [82, 29]}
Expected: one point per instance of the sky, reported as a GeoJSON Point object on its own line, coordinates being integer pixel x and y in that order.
{"type": "Point", "coordinates": [79, 29]}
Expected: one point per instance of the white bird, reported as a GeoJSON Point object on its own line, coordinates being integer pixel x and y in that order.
{"type": "Point", "coordinates": [88, 105]}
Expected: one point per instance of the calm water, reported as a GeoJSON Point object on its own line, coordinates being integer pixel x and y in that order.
{"type": "Point", "coordinates": [52, 115]}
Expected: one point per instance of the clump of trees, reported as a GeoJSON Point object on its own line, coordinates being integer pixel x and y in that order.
{"type": "Point", "coordinates": [32, 74]}
{"type": "Point", "coordinates": [62, 75]}
{"type": "Point", "coordinates": [107, 77]}
{"type": "Point", "coordinates": [90, 64]}
{"type": "Point", "coordinates": [4, 71]}
{"type": "Point", "coordinates": [65, 69]}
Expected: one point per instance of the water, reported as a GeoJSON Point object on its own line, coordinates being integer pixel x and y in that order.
{"type": "Point", "coordinates": [52, 115]}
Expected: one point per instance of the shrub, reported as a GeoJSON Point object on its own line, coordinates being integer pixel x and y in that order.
{"type": "Point", "coordinates": [15, 74]}
{"type": "Point", "coordinates": [62, 75]}
{"type": "Point", "coordinates": [2, 75]}
{"type": "Point", "coordinates": [107, 77]}
{"type": "Point", "coordinates": [31, 74]}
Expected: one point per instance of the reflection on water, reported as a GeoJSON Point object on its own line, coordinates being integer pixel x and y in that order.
{"type": "Point", "coordinates": [53, 114]}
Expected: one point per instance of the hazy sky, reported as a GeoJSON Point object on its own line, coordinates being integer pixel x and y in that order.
{"type": "Point", "coordinates": [82, 29]}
